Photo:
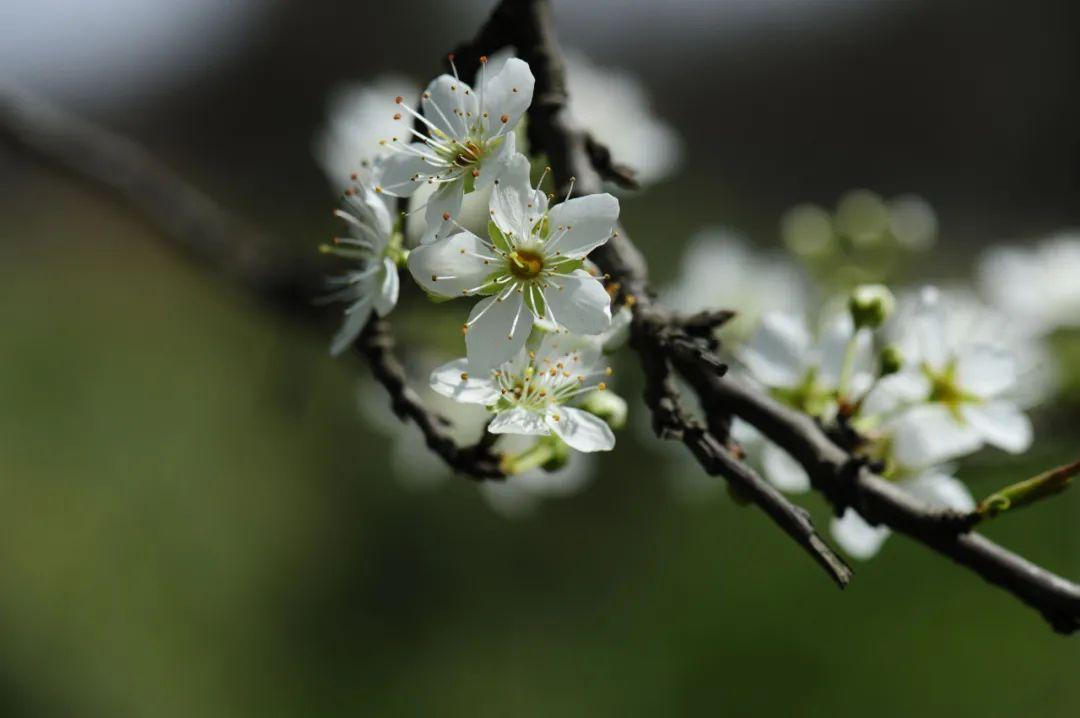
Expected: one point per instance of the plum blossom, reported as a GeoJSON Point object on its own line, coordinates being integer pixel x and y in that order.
{"type": "Point", "coordinates": [953, 395]}
{"type": "Point", "coordinates": [359, 115]}
{"type": "Point", "coordinates": [720, 270]}
{"type": "Point", "coordinates": [530, 269]}
{"type": "Point", "coordinates": [533, 394]}
{"type": "Point", "coordinates": [372, 242]}
{"type": "Point", "coordinates": [469, 140]}
{"type": "Point", "coordinates": [613, 105]}
{"type": "Point", "coordinates": [1037, 284]}
{"type": "Point", "coordinates": [811, 374]}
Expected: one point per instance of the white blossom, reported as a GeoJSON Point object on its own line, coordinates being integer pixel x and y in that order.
{"type": "Point", "coordinates": [719, 270]}
{"type": "Point", "coordinates": [468, 142]}
{"type": "Point", "coordinates": [533, 394]}
{"type": "Point", "coordinates": [805, 371]}
{"type": "Point", "coordinates": [370, 241]}
{"type": "Point", "coordinates": [359, 115]}
{"type": "Point", "coordinates": [953, 395]}
{"type": "Point", "coordinates": [1040, 285]}
{"type": "Point", "coordinates": [530, 268]}
{"type": "Point", "coordinates": [777, 466]}
{"type": "Point", "coordinates": [614, 107]}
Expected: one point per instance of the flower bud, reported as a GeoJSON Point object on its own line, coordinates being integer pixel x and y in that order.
{"type": "Point", "coordinates": [890, 361]}
{"type": "Point", "coordinates": [608, 406]}
{"type": "Point", "coordinates": [870, 305]}
{"type": "Point", "coordinates": [560, 456]}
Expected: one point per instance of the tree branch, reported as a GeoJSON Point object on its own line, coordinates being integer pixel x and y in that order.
{"type": "Point", "coordinates": [664, 343]}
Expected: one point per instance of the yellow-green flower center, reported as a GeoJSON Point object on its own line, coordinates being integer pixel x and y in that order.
{"type": "Point", "coordinates": [526, 264]}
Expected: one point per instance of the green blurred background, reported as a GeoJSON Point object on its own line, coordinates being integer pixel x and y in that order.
{"type": "Point", "coordinates": [195, 519]}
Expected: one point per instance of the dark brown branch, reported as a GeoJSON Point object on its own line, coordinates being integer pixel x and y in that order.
{"type": "Point", "coordinates": [833, 471]}
{"type": "Point", "coordinates": [881, 502]}
{"type": "Point", "coordinates": [478, 461]}
{"type": "Point", "coordinates": [196, 225]}
{"type": "Point", "coordinates": [670, 422]}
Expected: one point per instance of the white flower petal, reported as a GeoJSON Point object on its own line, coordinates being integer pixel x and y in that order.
{"type": "Point", "coordinates": [833, 347]}
{"type": "Point", "coordinates": [897, 391]}
{"type": "Point", "coordinates": [355, 319]}
{"type": "Point", "coordinates": [496, 162]}
{"type": "Point", "coordinates": [857, 537]}
{"type": "Point", "coordinates": [452, 266]}
{"type": "Point", "coordinates": [931, 330]}
{"type": "Point", "coordinates": [386, 298]}
{"type": "Point", "coordinates": [1001, 424]}
{"type": "Point", "coordinates": [579, 302]}
{"type": "Point", "coordinates": [580, 429]}
{"type": "Point", "coordinates": [584, 223]}
{"type": "Point", "coordinates": [519, 421]}
{"type": "Point", "coordinates": [442, 210]}
{"type": "Point", "coordinates": [778, 351]}
{"type": "Point", "coordinates": [784, 472]}
{"type": "Point", "coordinates": [403, 172]}
{"type": "Point", "coordinates": [511, 197]}
{"type": "Point", "coordinates": [929, 434]}
{"type": "Point", "coordinates": [499, 333]}
{"type": "Point", "coordinates": [985, 371]}
{"type": "Point", "coordinates": [447, 380]}
{"type": "Point", "coordinates": [507, 95]}
{"type": "Point", "coordinates": [940, 490]}
{"type": "Point", "coordinates": [450, 105]}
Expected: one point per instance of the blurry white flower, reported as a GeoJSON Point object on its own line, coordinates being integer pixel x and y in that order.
{"type": "Point", "coordinates": [533, 394]}
{"type": "Point", "coordinates": [373, 286]}
{"type": "Point", "coordinates": [359, 115]}
{"type": "Point", "coordinates": [530, 269]}
{"type": "Point", "coordinates": [936, 487]}
{"type": "Point", "coordinates": [806, 372]}
{"type": "Point", "coordinates": [613, 106]}
{"type": "Point", "coordinates": [777, 466]}
{"type": "Point", "coordinates": [1040, 285]}
{"type": "Point", "coordinates": [952, 396]}
{"type": "Point", "coordinates": [468, 143]}
{"type": "Point", "coordinates": [720, 271]}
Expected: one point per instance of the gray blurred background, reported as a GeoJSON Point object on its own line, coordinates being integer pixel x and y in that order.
{"type": "Point", "coordinates": [196, 519]}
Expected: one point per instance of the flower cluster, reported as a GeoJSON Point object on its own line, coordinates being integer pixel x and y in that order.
{"type": "Point", "coordinates": [534, 338]}
{"type": "Point", "coordinates": [917, 382]}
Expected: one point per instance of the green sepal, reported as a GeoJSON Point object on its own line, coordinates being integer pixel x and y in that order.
{"type": "Point", "coordinates": [498, 238]}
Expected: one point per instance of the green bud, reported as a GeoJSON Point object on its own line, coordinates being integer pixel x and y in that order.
{"type": "Point", "coordinates": [870, 305]}
{"type": "Point", "coordinates": [890, 361]}
{"type": "Point", "coordinates": [1028, 492]}
{"type": "Point", "coordinates": [607, 405]}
